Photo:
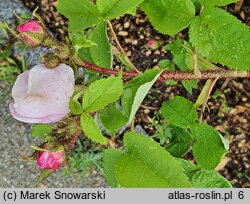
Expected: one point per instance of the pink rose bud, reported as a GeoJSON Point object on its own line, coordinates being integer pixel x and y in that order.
{"type": "Point", "coordinates": [151, 43]}
{"type": "Point", "coordinates": [42, 95]}
{"type": "Point", "coordinates": [32, 32]}
{"type": "Point", "coordinates": [51, 159]}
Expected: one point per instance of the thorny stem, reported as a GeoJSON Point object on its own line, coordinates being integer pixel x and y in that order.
{"type": "Point", "coordinates": [121, 49]}
{"type": "Point", "coordinates": [171, 75]}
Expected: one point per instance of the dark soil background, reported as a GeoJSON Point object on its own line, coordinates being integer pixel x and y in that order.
{"type": "Point", "coordinates": [228, 108]}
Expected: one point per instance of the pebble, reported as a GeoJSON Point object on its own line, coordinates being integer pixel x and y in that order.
{"type": "Point", "coordinates": [155, 60]}
{"type": "Point", "coordinates": [139, 129]}
{"type": "Point", "coordinates": [129, 53]}
{"type": "Point", "coordinates": [142, 37]}
{"type": "Point", "coordinates": [157, 52]}
{"type": "Point", "coordinates": [134, 42]}
{"type": "Point", "coordinates": [118, 26]}
{"type": "Point", "coordinates": [244, 99]}
{"type": "Point", "coordinates": [126, 25]}
{"type": "Point", "coordinates": [123, 33]}
{"type": "Point", "coordinates": [149, 52]}
{"type": "Point", "coordinates": [127, 40]}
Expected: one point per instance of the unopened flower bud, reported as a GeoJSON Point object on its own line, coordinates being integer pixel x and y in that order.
{"type": "Point", "coordinates": [153, 44]}
{"type": "Point", "coordinates": [51, 159]}
{"type": "Point", "coordinates": [32, 33]}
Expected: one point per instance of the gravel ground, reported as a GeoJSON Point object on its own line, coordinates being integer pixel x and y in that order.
{"type": "Point", "coordinates": [15, 137]}
{"type": "Point", "coordinates": [6, 14]}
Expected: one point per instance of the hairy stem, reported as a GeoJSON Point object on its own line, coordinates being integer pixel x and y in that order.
{"type": "Point", "coordinates": [208, 74]}
{"type": "Point", "coordinates": [170, 75]}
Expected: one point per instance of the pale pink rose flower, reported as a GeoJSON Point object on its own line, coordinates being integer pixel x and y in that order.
{"type": "Point", "coordinates": [42, 95]}
{"type": "Point", "coordinates": [30, 28]}
{"type": "Point", "coordinates": [50, 160]}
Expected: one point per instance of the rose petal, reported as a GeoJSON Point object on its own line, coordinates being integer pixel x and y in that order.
{"type": "Point", "coordinates": [47, 119]}
{"type": "Point", "coordinates": [54, 84]}
{"type": "Point", "coordinates": [20, 88]}
{"type": "Point", "coordinates": [31, 26]}
{"type": "Point", "coordinates": [38, 107]}
{"type": "Point", "coordinates": [50, 160]}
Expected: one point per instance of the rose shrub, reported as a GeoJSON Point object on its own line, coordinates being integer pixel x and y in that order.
{"type": "Point", "coordinates": [42, 95]}
{"type": "Point", "coordinates": [45, 93]}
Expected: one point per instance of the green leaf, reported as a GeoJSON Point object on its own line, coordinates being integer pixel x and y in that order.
{"type": "Point", "coordinates": [188, 167]}
{"type": "Point", "coordinates": [221, 38]}
{"type": "Point", "coordinates": [201, 178]}
{"type": "Point", "coordinates": [112, 118]}
{"type": "Point", "coordinates": [9, 73]}
{"type": "Point", "coordinates": [5, 53]}
{"type": "Point", "coordinates": [209, 147]}
{"type": "Point", "coordinates": [197, 4]}
{"type": "Point", "coordinates": [101, 93]}
{"type": "Point", "coordinates": [204, 94]}
{"type": "Point", "coordinates": [110, 9]}
{"type": "Point", "coordinates": [136, 90]}
{"type": "Point", "coordinates": [81, 14]}
{"type": "Point", "coordinates": [180, 142]}
{"type": "Point", "coordinates": [38, 148]}
{"type": "Point", "coordinates": [171, 82]}
{"type": "Point", "coordinates": [101, 54]}
{"type": "Point", "coordinates": [41, 130]}
{"type": "Point", "coordinates": [3, 30]}
{"type": "Point", "coordinates": [189, 85]}
{"type": "Point", "coordinates": [148, 165]}
{"type": "Point", "coordinates": [166, 64]}
{"type": "Point", "coordinates": [179, 112]}
{"type": "Point", "coordinates": [163, 133]}
{"type": "Point", "coordinates": [182, 57]}
{"type": "Point", "coordinates": [132, 11]}
{"type": "Point", "coordinates": [216, 2]}
{"type": "Point", "coordinates": [74, 105]}
{"type": "Point", "coordinates": [110, 157]}
{"type": "Point", "coordinates": [124, 60]}
{"type": "Point", "coordinates": [84, 53]}
{"type": "Point", "coordinates": [92, 77]}
{"type": "Point", "coordinates": [209, 179]}
{"type": "Point", "coordinates": [163, 14]}
{"type": "Point", "coordinates": [80, 41]}
{"type": "Point", "coordinates": [91, 130]}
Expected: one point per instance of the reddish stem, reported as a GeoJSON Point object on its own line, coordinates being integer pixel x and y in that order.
{"type": "Point", "coordinates": [172, 75]}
